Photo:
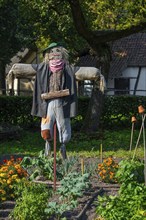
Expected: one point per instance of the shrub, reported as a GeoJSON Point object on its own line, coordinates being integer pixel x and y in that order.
{"type": "Point", "coordinates": [117, 111]}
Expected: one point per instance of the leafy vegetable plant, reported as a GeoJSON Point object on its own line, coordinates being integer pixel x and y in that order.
{"type": "Point", "coordinates": [72, 187]}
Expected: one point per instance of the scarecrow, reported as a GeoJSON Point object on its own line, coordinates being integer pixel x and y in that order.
{"type": "Point", "coordinates": [55, 92]}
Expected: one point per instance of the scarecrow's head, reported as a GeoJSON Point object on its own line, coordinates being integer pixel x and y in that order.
{"type": "Point", "coordinates": [55, 51]}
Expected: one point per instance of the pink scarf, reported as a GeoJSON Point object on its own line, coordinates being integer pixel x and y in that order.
{"type": "Point", "coordinates": [56, 65]}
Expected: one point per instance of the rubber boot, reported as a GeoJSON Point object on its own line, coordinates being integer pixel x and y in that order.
{"type": "Point", "coordinates": [63, 152]}
{"type": "Point", "coordinates": [47, 149]}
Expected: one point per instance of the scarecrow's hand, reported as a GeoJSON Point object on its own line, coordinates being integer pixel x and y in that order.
{"type": "Point", "coordinates": [87, 73]}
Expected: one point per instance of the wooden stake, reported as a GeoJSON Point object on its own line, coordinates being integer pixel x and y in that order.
{"type": "Point", "coordinates": [82, 165]}
{"type": "Point", "coordinates": [144, 149]}
{"type": "Point", "coordinates": [133, 120]}
{"type": "Point", "coordinates": [131, 136]}
{"type": "Point", "coordinates": [101, 156]}
{"type": "Point", "coordinates": [143, 119]}
{"type": "Point", "coordinates": [55, 156]}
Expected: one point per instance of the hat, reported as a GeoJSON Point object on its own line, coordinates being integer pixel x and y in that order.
{"type": "Point", "coordinates": [54, 44]}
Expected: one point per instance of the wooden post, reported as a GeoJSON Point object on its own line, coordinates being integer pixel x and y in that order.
{"type": "Point", "coordinates": [141, 111]}
{"type": "Point", "coordinates": [101, 156]}
{"type": "Point", "coordinates": [144, 149]}
{"type": "Point", "coordinates": [139, 136]}
{"type": "Point", "coordinates": [133, 120]}
{"type": "Point", "coordinates": [82, 166]}
{"type": "Point", "coordinates": [55, 156]}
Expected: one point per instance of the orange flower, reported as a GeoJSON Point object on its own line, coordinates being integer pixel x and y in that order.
{"type": "Point", "coordinates": [107, 169]}
{"type": "Point", "coordinates": [11, 172]}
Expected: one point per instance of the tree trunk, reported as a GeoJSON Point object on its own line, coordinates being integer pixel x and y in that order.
{"type": "Point", "coordinates": [92, 119]}
{"type": "Point", "coordinates": [2, 78]}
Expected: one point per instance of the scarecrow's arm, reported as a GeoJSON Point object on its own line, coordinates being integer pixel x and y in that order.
{"type": "Point", "coordinates": [20, 70]}
{"type": "Point", "coordinates": [91, 73]}
{"type": "Point", "coordinates": [87, 73]}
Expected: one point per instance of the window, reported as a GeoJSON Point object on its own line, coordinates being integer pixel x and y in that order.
{"type": "Point", "coordinates": [122, 86]}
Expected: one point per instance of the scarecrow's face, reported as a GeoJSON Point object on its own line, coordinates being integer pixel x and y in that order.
{"type": "Point", "coordinates": [55, 53]}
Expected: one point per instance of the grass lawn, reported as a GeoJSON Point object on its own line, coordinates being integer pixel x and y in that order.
{"type": "Point", "coordinates": [115, 143]}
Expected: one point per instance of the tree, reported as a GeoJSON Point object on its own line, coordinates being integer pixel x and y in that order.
{"type": "Point", "coordinates": [16, 23]}
{"type": "Point", "coordinates": [80, 24]}
{"type": "Point", "coordinates": [114, 20]}
{"type": "Point", "coordinates": [94, 24]}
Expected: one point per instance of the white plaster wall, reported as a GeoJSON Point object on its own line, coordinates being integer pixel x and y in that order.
{"type": "Point", "coordinates": [132, 73]}
{"type": "Point", "coordinates": [110, 87]}
{"type": "Point", "coordinates": [142, 83]}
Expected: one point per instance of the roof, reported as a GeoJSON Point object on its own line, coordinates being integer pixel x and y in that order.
{"type": "Point", "coordinates": [127, 51]}
{"type": "Point", "coordinates": [24, 56]}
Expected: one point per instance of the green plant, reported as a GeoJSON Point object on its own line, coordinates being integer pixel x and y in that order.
{"type": "Point", "coordinates": [130, 170]}
{"type": "Point", "coordinates": [68, 166]}
{"type": "Point", "coordinates": [11, 173]}
{"type": "Point", "coordinates": [129, 204]}
{"type": "Point", "coordinates": [72, 187]}
{"type": "Point", "coordinates": [107, 170]}
{"type": "Point", "coordinates": [32, 201]}
{"type": "Point", "coordinates": [56, 209]}
{"type": "Point", "coordinates": [41, 166]}
{"type": "Point", "coordinates": [130, 201]}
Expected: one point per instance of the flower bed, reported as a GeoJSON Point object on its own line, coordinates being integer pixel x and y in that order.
{"type": "Point", "coordinates": [11, 173]}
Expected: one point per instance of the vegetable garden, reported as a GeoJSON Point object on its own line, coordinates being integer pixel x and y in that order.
{"type": "Point", "coordinates": [96, 185]}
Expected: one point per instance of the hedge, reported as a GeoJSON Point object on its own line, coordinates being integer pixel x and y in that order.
{"type": "Point", "coordinates": [117, 111]}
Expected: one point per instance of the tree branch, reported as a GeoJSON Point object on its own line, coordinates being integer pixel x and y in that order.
{"type": "Point", "coordinates": [94, 38]}
{"type": "Point", "coordinates": [111, 35]}
{"type": "Point", "coordinates": [79, 19]}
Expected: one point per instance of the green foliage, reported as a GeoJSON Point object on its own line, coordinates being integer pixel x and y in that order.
{"type": "Point", "coordinates": [16, 110]}
{"type": "Point", "coordinates": [129, 203]}
{"type": "Point", "coordinates": [16, 24]}
{"type": "Point", "coordinates": [30, 21]}
{"type": "Point", "coordinates": [117, 111]}
{"type": "Point", "coordinates": [73, 186]}
{"type": "Point", "coordinates": [115, 14]}
{"type": "Point", "coordinates": [31, 203]}
{"type": "Point", "coordinates": [44, 166]}
{"type": "Point", "coordinates": [41, 166]}
{"type": "Point", "coordinates": [130, 170]}
{"type": "Point", "coordinates": [53, 208]}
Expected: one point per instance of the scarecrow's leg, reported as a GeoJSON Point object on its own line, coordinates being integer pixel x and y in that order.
{"type": "Point", "coordinates": [63, 152]}
{"type": "Point", "coordinates": [64, 129]}
{"type": "Point", "coordinates": [47, 137]}
{"type": "Point", "coordinates": [47, 148]}
{"type": "Point", "coordinates": [47, 125]}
